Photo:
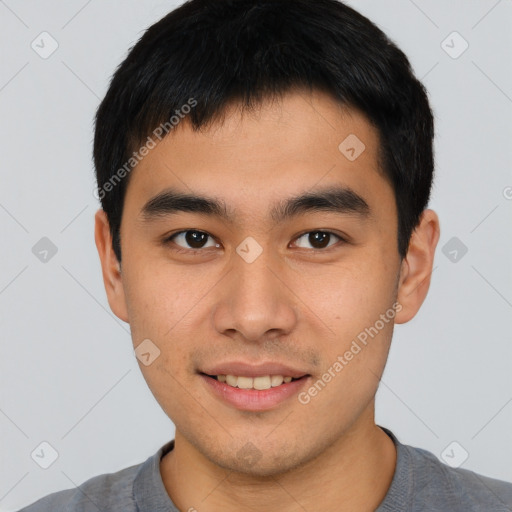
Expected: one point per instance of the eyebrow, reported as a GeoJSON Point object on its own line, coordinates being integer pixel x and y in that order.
{"type": "Point", "coordinates": [335, 199]}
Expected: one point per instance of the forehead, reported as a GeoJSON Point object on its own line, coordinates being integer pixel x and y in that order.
{"type": "Point", "coordinates": [283, 147]}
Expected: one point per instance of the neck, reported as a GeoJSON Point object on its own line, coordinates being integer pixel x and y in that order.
{"type": "Point", "coordinates": [354, 473]}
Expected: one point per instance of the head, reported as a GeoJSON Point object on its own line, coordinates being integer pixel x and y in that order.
{"type": "Point", "coordinates": [264, 170]}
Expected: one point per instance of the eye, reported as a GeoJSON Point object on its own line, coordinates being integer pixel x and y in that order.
{"type": "Point", "coordinates": [319, 239]}
{"type": "Point", "coordinates": [195, 240]}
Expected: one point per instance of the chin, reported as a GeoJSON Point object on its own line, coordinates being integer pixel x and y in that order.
{"type": "Point", "coordinates": [262, 458]}
{"type": "Point", "coordinates": [265, 467]}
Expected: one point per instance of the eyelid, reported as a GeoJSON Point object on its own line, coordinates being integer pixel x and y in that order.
{"type": "Point", "coordinates": [342, 239]}
{"type": "Point", "coordinates": [169, 239]}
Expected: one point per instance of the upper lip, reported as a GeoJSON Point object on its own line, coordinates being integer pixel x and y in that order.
{"type": "Point", "coordinates": [239, 368]}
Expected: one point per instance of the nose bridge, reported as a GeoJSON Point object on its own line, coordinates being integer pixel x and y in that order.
{"type": "Point", "coordinates": [254, 278]}
{"type": "Point", "coordinates": [255, 300]}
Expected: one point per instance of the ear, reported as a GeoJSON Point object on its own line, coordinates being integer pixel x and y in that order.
{"type": "Point", "coordinates": [110, 266]}
{"type": "Point", "coordinates": [416, 268]}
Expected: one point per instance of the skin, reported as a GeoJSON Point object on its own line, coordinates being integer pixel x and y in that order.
{"type": "Point", "coordinates": [292, 304]}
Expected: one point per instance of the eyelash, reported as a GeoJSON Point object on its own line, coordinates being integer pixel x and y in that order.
{"type": "Point", "coordinates": [178, 249]}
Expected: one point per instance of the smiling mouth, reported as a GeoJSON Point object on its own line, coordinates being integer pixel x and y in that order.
{"type": "Point", "coordinates": [260, 383]}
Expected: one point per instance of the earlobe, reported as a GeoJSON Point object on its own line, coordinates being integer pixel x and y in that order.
{"type": "Point", "coordinates": [110, 266]}
{"type": "Point", "coordinates": [417, 266]}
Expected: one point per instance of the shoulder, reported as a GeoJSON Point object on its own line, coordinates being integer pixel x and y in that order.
{"type": "Point", "coordinates": [110, 491]}
{"type": "Point", "coordinates": [438, 485]}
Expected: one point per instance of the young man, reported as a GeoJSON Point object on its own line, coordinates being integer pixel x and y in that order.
{"type": "Point", "coordinates": [264, 169]}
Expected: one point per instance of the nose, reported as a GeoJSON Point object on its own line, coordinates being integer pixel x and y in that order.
{"type": "Point", "coordinates": [256, 303]}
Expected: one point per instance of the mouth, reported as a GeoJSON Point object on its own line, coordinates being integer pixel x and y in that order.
{"type": "Point", "coordinates": [256, 394]}
{"type": "Point", "coordinates": [259, 383]}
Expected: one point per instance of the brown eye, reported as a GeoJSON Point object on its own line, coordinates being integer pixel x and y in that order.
{"type": "Point", "coordinates": [192, 239]}
{"type": "Point", "coordinates": [319, 239]}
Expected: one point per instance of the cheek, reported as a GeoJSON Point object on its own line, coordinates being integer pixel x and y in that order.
{"type": "Point", "coordinates": [158, 304]}
{"type": "Point", "coordinates": [365, 327]}
{"type": "Point", "coordinates": [357, 304]}
{"type": "Point", "coordinates": [159, 296]}
{"type": "Point", "coordinates": [349, 296]}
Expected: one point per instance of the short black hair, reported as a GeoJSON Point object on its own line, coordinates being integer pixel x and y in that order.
{"type": "Point", "coordinates": [207, 54]}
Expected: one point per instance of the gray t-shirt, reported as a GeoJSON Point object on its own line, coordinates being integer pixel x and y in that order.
{"type": "Point", "coordinates": [420, 483]}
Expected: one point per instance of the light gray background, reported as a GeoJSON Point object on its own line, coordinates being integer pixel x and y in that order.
{"type": "Point", "coordinates": [68, 372]}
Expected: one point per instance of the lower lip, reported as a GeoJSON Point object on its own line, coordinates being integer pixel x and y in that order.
{"type": "Point", "coordinates": [254, 399]}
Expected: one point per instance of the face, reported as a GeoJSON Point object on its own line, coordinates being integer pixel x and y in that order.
{"type": "Point", "coordinates": [245, 286]}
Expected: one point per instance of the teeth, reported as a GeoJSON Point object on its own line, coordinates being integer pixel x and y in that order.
{"type": "Point", "coordinates": [260, 383]}
{"type": "Point", "coordinates": [245, 382]}
{"type": "Point", "coordinates": [276, 380]}
{"type": "Point", "coordinates": [231, 380]}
